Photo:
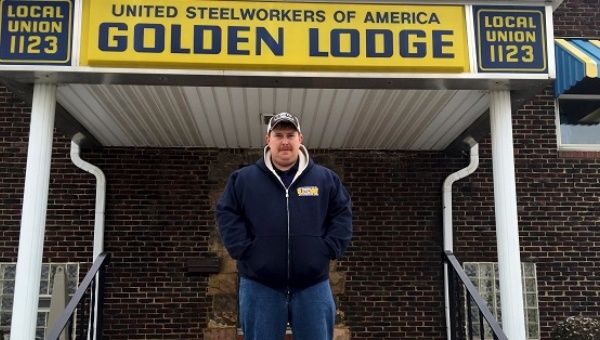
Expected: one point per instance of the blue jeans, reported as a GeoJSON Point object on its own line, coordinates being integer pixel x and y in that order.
{"type": "Point", "coordinates": [265, 312]}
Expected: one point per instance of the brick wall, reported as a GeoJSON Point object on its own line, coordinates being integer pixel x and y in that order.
{"type": "Point", "coordinates": [69, 229]}
{"type": "Point", "coordinates": [577, 18]}
{"type": "Point", "coordinates": [158, 216]}
{"type": "Point", "coordinates": [13, 128]}
{"type": "Point", "coordinates": [393, 287]}
{"type": "Point", "coordinates": [558, 205]}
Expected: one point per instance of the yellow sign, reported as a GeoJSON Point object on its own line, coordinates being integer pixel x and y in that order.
{"type": "Point", "coordinates": [274, 35]}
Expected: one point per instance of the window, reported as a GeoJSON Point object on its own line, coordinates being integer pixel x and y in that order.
{"type": "Point", "coordinates": [484, 276]}
{"type": "Point", "coordinates": [7, 288]}
{"type": "Point", "coordinates": [578, 122]}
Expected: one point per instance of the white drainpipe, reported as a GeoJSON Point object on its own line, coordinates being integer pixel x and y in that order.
{"type": "Point", "coordinates": [448, 233]}
{"type": "Point", "coordinates": [100, 202]}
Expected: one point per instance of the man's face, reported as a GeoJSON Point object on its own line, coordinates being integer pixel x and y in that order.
{"type": "Point", "coordinates": [284, 142]}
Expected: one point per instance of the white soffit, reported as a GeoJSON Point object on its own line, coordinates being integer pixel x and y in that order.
{"type": "Point", "coordinates": [230, 117]}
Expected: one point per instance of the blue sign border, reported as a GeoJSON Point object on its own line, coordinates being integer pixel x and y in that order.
{"type": "Point", "coordinates": [540, 54]}
{"type": "Point", "coordinates": [62, 41]}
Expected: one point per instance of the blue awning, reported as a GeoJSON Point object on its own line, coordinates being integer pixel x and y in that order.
{"type": "Point", "coordinates": [577, 63]}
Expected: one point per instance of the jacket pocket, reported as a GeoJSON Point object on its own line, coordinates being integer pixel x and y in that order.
{"type": "Point", "coordinates": [266, 259]}
{"type": "Point", "coordinates": [309, 259]}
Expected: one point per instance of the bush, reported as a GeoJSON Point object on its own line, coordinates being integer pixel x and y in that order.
{"type": "Point", "coordinates": [577, 328]}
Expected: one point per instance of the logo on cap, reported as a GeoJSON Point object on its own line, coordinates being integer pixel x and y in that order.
{"type": "Point", "coordinates": [281, 118]}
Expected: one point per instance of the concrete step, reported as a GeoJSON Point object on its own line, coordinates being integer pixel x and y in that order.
{"type": "Point", "coordinates": [229, 333]}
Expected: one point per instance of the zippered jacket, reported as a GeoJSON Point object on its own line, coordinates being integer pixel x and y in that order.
{"type": "Point", "coordinates": [285, 237]}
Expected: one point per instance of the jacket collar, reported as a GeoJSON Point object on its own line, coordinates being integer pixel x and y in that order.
{"type": "Point", "coordinates": [303, 160]}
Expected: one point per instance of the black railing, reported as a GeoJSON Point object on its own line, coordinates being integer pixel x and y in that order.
{"type": "Point", "coordinates": [94, 283]}
{"type": "Point", "coordinates": [457, 278]}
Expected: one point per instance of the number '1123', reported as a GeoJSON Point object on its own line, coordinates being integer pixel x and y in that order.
{"type": "Point", "coordinates": [511, 53]}
{"type": "Point", "coordinates": [33, 44]}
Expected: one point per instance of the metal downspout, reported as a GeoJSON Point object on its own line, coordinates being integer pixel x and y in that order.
{"type": "Point", "coordinates": [447, 222]}
{"type": "Point", "coordinates": [99, 215]}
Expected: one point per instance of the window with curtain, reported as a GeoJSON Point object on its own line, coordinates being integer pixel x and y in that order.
{"type": "Point", "coordinates": [578, 122]}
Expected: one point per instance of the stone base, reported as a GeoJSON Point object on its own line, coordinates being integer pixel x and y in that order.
{"type": "Point", "coordinates": [341, 333]}
{"type": "Point", "coordinates": [228, 333]}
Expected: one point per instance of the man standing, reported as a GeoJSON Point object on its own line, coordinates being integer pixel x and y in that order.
{"type": "Point", "coordinates": [283, 219]}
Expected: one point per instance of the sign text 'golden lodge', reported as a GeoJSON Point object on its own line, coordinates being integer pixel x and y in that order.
{"type": "Point", "coordinates": [274, 35]}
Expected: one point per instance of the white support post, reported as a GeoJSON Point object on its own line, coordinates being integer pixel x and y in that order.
{"type": "Point", "coordinates": [507, 230]}
{"type": "Point", "coordinates": [33, 219]}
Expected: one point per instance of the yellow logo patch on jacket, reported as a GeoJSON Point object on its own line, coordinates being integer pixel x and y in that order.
{"type": "Point", "coordinates": [308, 191]}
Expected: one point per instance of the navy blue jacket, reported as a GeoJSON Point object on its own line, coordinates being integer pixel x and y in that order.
{"type": "Point", "coordinates": [285, 242]}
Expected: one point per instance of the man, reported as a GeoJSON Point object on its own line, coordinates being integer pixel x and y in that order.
{"type": "Point", "coordinates": [283, 219]}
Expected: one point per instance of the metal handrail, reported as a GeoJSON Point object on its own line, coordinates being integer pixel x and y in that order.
{"type": "Point", "coordinates": [94, 275]}
{"type": "Point", "coordinates": [484, 312]}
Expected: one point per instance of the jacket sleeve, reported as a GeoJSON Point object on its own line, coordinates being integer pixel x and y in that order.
{"type": "Point", "coordinates": [339, 220]}
{"type": "Point", "coordinates": [232, 223]}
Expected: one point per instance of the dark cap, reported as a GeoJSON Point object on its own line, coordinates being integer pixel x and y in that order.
{"type": "Point", "coordinates": [283, 117]}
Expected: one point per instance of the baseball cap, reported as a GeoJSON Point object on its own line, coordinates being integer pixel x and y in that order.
{"type": "Point", "coordinates": [281, 118]}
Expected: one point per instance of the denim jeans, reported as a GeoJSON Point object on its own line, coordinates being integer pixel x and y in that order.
{"type": "Point", "coordinates": [265, 312]}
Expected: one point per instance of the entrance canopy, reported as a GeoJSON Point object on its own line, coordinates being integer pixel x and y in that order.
{"type": "Point", "coordinates": [123, 115]}
{"type": "Point", "coordinates": [378, 75]}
